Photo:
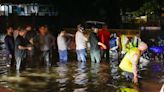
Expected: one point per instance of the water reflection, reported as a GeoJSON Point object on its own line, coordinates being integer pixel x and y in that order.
{"type": "Point", "coordinates": [94, 72]}
{"type": "Point", "coordinates": [76, 77]}
{"type": "Point", "coordinates": [62, 74]}
{"type": "Point", "coordinates": [80, 77]}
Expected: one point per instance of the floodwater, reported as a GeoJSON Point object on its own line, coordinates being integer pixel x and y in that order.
{"type": "Point", "coordinates": [83, 77]}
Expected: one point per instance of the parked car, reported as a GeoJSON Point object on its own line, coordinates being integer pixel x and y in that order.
{"type": "Point", "coordinates": [89, 24]}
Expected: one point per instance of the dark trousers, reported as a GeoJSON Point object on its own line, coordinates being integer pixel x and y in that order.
{"type": "Point", "coordinates": [12, 64]}
{"type": "Point", "coordinates": [105, 54]}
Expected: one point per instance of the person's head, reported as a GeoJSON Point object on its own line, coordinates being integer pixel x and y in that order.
{"type": "Point", "coordinates": [9, 30]}
{"type": "Point", "coordinates": [62, 32]}
{"type": "Point", "coordinates": [22, 31]}
{"type": "Point", "coordinates": [119, 34]}
{"type": "Point", "coordinates": [28, 28]}
{"type": "Point", "coordinates": [43, 30]}
{"type": "Point", "coordinates": [80, 28]}
{"type": "Point", "coordinates": [46, 28]}
{"type": "Point", "coordinates": [142, 47]}
{"type": "Point", "coordinates": [95, 29]}
{"type": "Point", "coordinates": [17, 28]}
{"type": "Point", "coordinates": [114, 35]}
{"type": "Point", "coordinates": [111, 35]}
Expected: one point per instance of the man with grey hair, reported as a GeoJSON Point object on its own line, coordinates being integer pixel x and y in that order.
{"type": "Point", "coordinates": [130, 61]}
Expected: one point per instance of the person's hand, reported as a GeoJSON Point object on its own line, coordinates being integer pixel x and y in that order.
{"type": "Point", "coordinates": [104, 47]}
{"type": "Point", "coordinates": [29, 48]}
{"type": "Point", "coordinates": [135, 80]}
{"type": "Point", "coordinates": [31, 41]}
{"type": "Point", "coordinates": [73, 36]}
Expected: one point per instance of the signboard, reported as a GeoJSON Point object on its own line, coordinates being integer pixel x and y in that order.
{"type": "Point", "coordinates": [151, 28]}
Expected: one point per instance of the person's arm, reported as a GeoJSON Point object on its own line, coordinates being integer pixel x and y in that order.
{"type": "Point", "coordinates": [134, 61]}
{"type": "Point", "coordinates": [31, 41]}
{"type": "Point", "coordinates": [117, 41]}
{"type": "Point", "coordinates": [8, 47]}
{"type": "Point", "coordinates": [99, 43]}
{"type": "Point", "coordinates": [7, 44]}
{"type": "Point", "coordinates": [52, 38]}
{"type": "Point", "coordinates": [24, 47]}
{"type": "Point", "coordinates": [69, 34]}
{"type": "Point", "coordinates": [103, 45]}
{"type": "Point", "coordinates": [84, 37]}
{"type": "Point", "coordinates": [18, 44]}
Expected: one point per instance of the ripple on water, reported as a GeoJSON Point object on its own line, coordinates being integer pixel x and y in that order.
{"type": "Point", "coordinates": [72, 77]}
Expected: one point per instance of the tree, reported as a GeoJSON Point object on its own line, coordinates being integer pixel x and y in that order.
{"type": "Point", "coordinates": [149, 7]}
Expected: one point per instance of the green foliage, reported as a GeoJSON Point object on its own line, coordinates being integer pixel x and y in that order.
{"type": "Point", "coordinates": [148, 8]}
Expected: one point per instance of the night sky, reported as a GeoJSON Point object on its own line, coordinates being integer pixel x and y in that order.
{"type": "Point", "coordinates": [72, 12]}
{"type": "Point", "coordinates": [75, 11]}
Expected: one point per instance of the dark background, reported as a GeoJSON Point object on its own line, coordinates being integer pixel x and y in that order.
{"type": "Point", "coordinates": [72, 12]}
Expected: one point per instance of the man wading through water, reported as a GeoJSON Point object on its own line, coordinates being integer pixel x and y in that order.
{"type": "Point", "coordinates": [130, 61]}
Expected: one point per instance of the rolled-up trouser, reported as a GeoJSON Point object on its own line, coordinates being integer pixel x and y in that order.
{"type": "Point", "coordinates": [19, 62]}
{"type": "Point", "coordinates": [81, 55]}
{"type": "Point", "coordinates": [95, 56]}
{"type": "Point", "coordinates": [63, 55]}
{"type": "Point", "coordinates": [46, 57]}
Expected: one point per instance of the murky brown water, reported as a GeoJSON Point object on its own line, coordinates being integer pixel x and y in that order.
{"type": "Point", "coordinates": [80, 77]}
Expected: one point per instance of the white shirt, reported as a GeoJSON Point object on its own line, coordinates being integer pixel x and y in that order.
{"type": "Point", "coordinates": [80, 40]}
{"type": "Point", "coordinates": [61, 42]}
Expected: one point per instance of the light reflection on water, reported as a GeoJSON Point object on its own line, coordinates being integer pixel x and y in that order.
{"type": "Point", "coordinates": [72, 77]}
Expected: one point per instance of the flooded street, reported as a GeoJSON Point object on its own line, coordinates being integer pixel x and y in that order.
{"type": "Point", "coordinates": [80, 77]}
{"type": "Point", "coordinates": [82, 46]}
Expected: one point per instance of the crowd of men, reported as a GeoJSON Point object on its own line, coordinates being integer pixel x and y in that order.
{"type": "Point", "coordinates": [25, 44]}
